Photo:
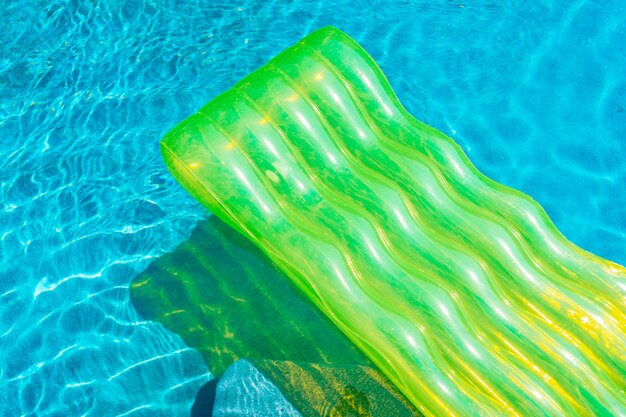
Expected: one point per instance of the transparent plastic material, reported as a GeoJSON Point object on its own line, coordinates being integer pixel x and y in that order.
{"type": "Point", "coordinates": [459, 289]}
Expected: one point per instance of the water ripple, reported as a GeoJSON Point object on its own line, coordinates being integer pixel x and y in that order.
{"type": "Point", "coordinates": [87, 89]}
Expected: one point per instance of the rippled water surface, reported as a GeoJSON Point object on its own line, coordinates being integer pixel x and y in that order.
{"type": "Point", "coordinates": [535, 94]}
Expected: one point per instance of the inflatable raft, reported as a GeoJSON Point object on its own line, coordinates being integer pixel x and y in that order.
{"type": "Point", "coordinates": [459, 289]}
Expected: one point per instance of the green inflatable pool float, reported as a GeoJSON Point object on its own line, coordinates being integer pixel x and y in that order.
{"type": "Point", "coordinates": [459, 289]}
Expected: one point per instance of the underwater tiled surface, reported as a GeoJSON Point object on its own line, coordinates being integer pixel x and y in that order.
{"type": "Point", "coordinates": [244, 391]}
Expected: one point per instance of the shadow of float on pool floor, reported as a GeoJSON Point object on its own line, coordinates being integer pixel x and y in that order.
{"type": "Point", "coordinates": [226, 299]}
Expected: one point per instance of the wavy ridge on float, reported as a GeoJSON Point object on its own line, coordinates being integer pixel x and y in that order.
{"type": "Point", "coordinates": [460, 289]}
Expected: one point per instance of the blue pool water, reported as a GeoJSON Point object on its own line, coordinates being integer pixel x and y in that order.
{"type": "Point", "coordinates": [535, 92]}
